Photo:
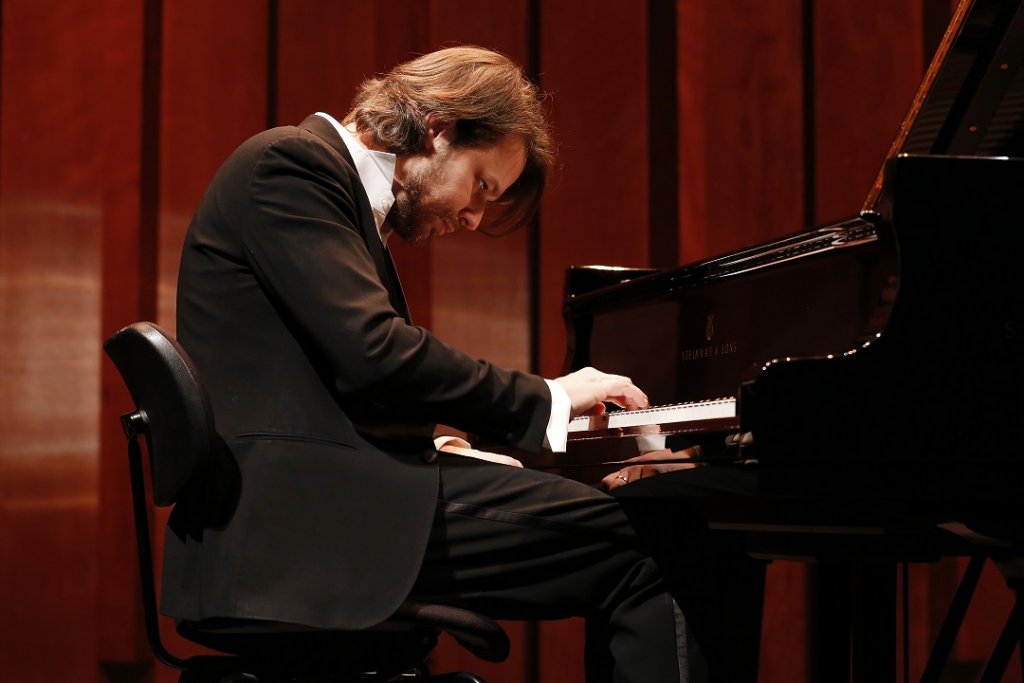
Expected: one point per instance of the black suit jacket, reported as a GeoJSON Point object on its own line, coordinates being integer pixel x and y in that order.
{"type": "Point", "coordinates": [323, 391]}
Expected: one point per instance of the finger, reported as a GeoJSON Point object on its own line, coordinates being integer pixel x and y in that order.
{"type": "Point", "coordinates": [587, 386]}
{"type": "Point", "coordinates": [673, 467]}
{"type": "Point", "coordinates": [628, 396]}
{"type": "Point", "coordinates": [662, 454]}
{"type": "Point", "coordinates": [616, 479]}
{"type": "Point", "coordinates": [666, 454]}
{"type": "Point", "coordinates": [687, 453]}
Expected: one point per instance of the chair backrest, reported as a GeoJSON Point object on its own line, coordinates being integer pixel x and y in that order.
{"type": "Point", "coordinates": [167, 392]}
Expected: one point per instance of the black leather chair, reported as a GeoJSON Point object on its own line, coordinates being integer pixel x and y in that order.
{"type": "Point", "coordinates": [173, 413]}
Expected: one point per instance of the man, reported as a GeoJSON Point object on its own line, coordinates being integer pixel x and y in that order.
{"type": "Point", "coordinates": [326, 395]}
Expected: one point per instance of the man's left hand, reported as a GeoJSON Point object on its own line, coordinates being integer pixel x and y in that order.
{"type": "Point", "coordinates": [640, 470]}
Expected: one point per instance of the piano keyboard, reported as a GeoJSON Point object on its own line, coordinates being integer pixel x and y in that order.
{"type": "Point", "coordinates": [697, 411]}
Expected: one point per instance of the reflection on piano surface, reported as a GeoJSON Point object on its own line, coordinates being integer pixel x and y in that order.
{"type": "Point", "coordinates": [876, 365]}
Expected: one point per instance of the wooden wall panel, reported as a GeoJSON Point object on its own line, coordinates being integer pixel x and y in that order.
{"type": "Point", "coordinates": [129, 294]}
{"type": "Point", "coordinates": [593, 62]}
{"type": "Point", "coordinates": [103, 158]}
{"type": "Point", "coordinates": [740, 124]}
{"type": "Point", "coordinates": [325, 50]}
{"type": "Point", "coordinates": [868, 63]}
{"type": "Point", "coordinates": [213, 98]}
{"type": "Point", "coordinates": [50, 236]}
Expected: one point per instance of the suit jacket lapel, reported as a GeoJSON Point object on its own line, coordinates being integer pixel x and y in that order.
{"type": "Point", "coordinates": [323, 129]}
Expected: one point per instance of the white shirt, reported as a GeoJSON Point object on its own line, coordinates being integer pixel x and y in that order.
{"type": "Point", "coordinates": [376, 171]}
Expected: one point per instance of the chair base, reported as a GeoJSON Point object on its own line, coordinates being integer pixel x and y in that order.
{"type": "Point", "coordinates": [219, 669]}
{"type": "Point", "coordinates": [312, 655]}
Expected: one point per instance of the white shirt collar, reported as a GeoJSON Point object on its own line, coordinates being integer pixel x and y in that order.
{"type": "Point", "coordinates": [376, 172]}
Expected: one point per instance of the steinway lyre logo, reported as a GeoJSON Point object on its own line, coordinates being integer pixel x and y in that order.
{"type": "Point", "coordinates": [708, 350]}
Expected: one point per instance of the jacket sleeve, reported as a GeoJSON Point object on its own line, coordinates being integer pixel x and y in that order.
{"type": "Point", "coordinates": [301, 237]}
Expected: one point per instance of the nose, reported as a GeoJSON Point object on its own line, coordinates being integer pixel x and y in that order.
{"type": "Point", "coordinates": [469, 221]}
{"type": "Point", "coordinates": [471, 216]}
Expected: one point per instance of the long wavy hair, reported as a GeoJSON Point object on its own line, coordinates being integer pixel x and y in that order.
{"type": "Point", "coordinates": [488, 98]}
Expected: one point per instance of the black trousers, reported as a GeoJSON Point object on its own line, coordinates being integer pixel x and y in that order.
{"type": "Point", "coordinates": [523, 544]}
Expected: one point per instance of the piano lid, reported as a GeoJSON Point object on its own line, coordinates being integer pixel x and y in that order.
{"type": "Point", "coordinates": [971, 101]}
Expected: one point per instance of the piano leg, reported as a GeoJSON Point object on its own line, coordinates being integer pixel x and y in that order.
{"type": "Point", "coordinates": [828, 638]}
{"type": "Point", "coordinates": [1011, 565]}
{"type": "Point", "coordinates": [1003, 651]}
{"type": "Point", "coordinates": [853, 621]}
{"type": "Point", "coordinates": [954, 619]}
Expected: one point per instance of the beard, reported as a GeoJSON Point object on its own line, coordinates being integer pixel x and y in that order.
{"type": "Point", "coordinates": [414, 213]}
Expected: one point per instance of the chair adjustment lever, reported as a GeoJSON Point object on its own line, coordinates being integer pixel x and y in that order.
{"type": "Point", "coordinates": [135, 423]}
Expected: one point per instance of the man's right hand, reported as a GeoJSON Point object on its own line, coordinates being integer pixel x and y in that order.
{"type": "Point", "coordinates": [587, 388]}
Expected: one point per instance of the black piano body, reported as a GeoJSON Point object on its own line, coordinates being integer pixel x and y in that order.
{"type": "Point", "coordinates": [864, 379]}
{"type": "Point", "coordinates": [879, 360]}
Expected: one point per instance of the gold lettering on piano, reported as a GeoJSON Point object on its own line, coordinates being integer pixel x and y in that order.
{"type": "Point", "coordinates": [708, 351]}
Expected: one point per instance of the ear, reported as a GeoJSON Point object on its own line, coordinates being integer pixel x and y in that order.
{"type": "Point", "coordinates": [437, 128]}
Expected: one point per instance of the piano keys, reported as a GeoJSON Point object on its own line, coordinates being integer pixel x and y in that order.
{"type": "Point", "coordinates": [671, 419]}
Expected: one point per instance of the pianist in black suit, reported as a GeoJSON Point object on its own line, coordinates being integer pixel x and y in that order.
{"type": "Point", "coordinates": [327, 395]}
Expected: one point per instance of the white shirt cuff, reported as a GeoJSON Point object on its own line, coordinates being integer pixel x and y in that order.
{"type": "Point", "coordinates": [449, 439]}
{"type": "Point", "coordinates": [458, 446]}
{"type": "Point", "coordinates": [558, 422]}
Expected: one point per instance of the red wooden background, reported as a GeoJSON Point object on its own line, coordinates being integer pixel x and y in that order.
{"type": "Point", "coordinates": [686, 128]}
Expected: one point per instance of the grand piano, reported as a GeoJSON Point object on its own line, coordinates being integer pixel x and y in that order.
{"type": "Point", "coordinates": [863, 381]}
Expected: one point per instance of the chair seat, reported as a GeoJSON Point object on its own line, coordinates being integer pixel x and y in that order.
{"type": "Point", "coordinates": [401, 642]}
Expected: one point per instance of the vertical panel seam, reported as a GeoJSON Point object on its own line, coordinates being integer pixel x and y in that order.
{"type": "Point", "coordinates": [809, 117]}
{"type": "Point", "coordinates": [149, 162]}
{"type": "Point", "coordinates": [662, 135]}
{"type": "Point", "coordinates": [272, 63]}
{"type": "Point", "coordinates": [531, 629]}
{"type": "Point", "coordinates": [533, 255]}
{"type": "Point", "coordinates": [2, 62]}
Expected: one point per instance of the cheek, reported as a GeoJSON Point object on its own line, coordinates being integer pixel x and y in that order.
{"type": "Point", "coordinates": [453, 185]}
{"type": "Point", "coordinates": [451, 195]}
